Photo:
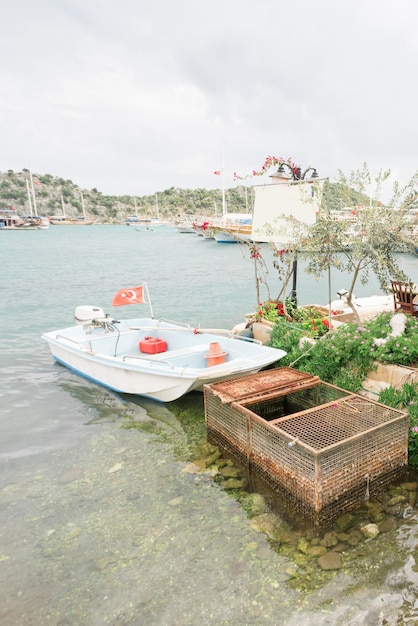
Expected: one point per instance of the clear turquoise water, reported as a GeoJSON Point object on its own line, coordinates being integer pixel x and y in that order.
{"type": "Point", "coordinates": [102, 525]}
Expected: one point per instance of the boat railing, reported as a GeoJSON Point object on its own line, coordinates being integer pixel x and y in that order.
{"type": "Point", "coordinates": [166, 321]}
{"type": "Point", "coordinates": [76, 341]}
{"type": "Point", "coordinates": [249, 339]}
{"type": "Point", "coordinates": [90, 339]}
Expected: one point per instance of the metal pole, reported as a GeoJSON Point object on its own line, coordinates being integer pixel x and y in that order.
{"type": "Point", "coordinates": [295, 277]}
{"type": "Point", "coordinates": [257, 285]}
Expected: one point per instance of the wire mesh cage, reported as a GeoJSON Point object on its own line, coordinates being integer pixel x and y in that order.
{"type": "Point", "coordinates": [321, 446]}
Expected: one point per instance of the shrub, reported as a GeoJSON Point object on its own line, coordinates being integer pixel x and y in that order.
{"type": "Point", "coordinates": [345, 355]}
{"type": "Point", "coordinates": [405, 398]}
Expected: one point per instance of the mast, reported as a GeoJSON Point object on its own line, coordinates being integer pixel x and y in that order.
{"type": "Point", "coordinates": [33, 194]}
{"type": "Point", "coordinates": [156, 206]}
{"type": "Point", "coordinates": [63, 207]}
{"type": "Point", "coordinates": [82, 204]}
{"type": "Point", "coordinates": [29, 199]}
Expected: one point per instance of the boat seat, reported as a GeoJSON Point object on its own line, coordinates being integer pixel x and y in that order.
{"type": "Point", "coordinates": [403, 297]}
{"type": "Point", "coordinates": [169, 354]}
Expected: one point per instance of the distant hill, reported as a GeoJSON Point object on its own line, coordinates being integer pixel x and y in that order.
{"type": "Point", "coordinates": [169, 204]}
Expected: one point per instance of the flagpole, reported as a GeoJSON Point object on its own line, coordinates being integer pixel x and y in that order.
{"type": "Point", "coordinates": [223, 183]}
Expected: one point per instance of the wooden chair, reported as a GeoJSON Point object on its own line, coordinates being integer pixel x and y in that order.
{"type": "Point", "coordinates": [403, 297]}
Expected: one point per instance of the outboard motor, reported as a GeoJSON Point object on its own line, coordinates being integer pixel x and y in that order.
{"type": "Point", "coordinates": [87, 314]}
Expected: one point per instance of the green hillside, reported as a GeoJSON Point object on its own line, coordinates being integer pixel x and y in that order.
{"type": "Point", "coordinates": [112, 209]}
{"type": "Point", "coordinates": [51, 191]}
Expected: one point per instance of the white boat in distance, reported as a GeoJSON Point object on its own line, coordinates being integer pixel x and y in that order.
{"type": "Point", "coordinates": [157, 359]}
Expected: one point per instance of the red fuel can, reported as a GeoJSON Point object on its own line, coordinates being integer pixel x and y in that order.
{"type": "Point", "coordinates": [152, 345]}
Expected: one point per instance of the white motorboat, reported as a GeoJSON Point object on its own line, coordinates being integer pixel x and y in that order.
{"type": "Point", "coordinates": [157, 359]}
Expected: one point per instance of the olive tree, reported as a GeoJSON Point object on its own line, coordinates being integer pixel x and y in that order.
{"type": "Point", "coordinates": [379, 232]}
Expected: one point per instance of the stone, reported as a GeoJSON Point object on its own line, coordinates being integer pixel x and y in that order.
{"type": "Point", "coordinates": [303, 545]}
{"type": "Point", "coordinates": [340, 547]}
{"type": "Point", "coordinates": [234, 483]}
{"type": "Point", "coordinates": [330, 561]}
{"type": "Point", "coordinates": [192, 468]}
{"type": "Point", "coordinates": [388, 524]}
{"type": "Point", "coordinates": [229, 472]}
{"type": "Point", "coordinates": [344, 522]}
{"type": "Point", "coordinates": [211, 459]}
{"type": "Point", "coordinates": [396, 500]}
{"type": "Point", "coordinates": [329, 540]}
{"type": "Point", "coordinates": [315, 551]}
{"type": "Point", "coordinates": [396, 510]}
{"type": "Point", "coordinates": [116, 468]}
{"type": "Point", "coordinates": [176, 501]}
{"type": "Point", "coordinates": [353, 540]}
{"type": "Point", "coordinates": [370, 531]}
{"type": "Point", "coordinates": [255, 504]}
{"type": "Point", "coordinates": [267, 524]}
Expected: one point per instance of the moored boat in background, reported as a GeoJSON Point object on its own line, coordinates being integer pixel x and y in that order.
{"type": "Point", "coordinates": [64, 220]}
{"type": "Point", "coordinates": [10, 220]}
{"type": "Point", "coordinates": [59, 220]}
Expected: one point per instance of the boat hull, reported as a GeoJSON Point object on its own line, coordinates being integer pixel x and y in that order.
{"type": "Point", "coordinates": [69, 222]}
{"type": "Point", "coordinates": [113, 358]}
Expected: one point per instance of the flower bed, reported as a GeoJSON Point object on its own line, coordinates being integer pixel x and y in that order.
{"type": "Point", "coordinates": [309, 320]}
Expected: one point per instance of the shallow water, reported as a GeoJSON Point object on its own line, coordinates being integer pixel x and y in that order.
{"type": "Point", "coordinates": [102, 524]}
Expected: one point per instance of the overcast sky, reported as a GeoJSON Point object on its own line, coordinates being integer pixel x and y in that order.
{"type": "Point", "coordinates": [137, 96]}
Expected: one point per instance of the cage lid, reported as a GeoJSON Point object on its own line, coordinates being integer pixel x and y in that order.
{"type": "Point", "coordinates": [260, 384]}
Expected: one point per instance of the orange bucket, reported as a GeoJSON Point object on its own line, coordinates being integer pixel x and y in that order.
{"type": "Point", "coordinates": [216, 355]}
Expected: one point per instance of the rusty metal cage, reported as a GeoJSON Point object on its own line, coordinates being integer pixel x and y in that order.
{"type": "Point", "coordinates": [321, 446]}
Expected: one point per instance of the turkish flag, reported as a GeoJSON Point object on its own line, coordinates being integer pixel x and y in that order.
{"type": "Point", "coordinates": [217, 173]}
{"type": "Point", "coordinates": [133, 295]}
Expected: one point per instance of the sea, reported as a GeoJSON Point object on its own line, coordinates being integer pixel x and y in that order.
{"type": "Point", "coordinates": [102, 523]}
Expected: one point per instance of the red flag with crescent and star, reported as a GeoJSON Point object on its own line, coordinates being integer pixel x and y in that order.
{"type": "Point", "coordinates": [133, 295]}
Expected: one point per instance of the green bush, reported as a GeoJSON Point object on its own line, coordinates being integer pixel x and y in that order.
{"type": "Point", "coordinates": [345, 355]}
{"type": "Point", "coordinates": [405, 398]}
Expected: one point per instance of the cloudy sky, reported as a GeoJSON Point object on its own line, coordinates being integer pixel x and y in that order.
{"type": "Point", "coordinates": [137, 96]}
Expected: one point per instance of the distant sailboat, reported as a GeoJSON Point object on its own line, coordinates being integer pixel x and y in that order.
{"type": "Point", "coordinates": [63, 220]}
{"type": "Point", "coordinates": [149, 222]}
{"type": "Point", "coordinates": [36, 220]}
{"type": "Point", "coordinates": [232, 226]}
